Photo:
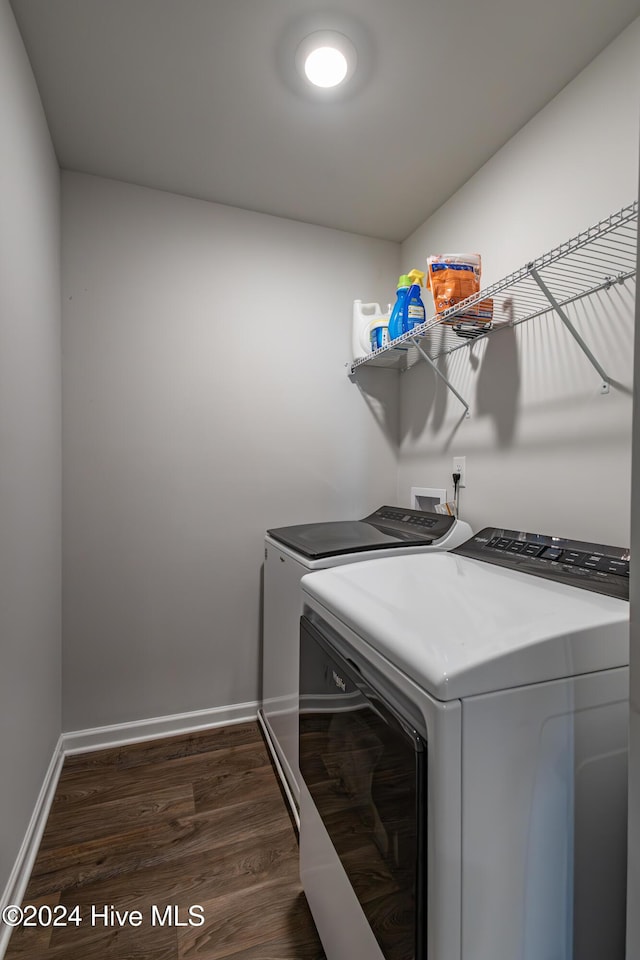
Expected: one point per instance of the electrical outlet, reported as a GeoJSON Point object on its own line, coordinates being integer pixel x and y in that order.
{"type": "Point", "coordinates": [460, 466]}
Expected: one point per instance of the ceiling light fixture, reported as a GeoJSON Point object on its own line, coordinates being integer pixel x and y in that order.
{"type": "Point", "coordinates": [326, 59]}
{"type": "Point", "coordinates": [326, 67]}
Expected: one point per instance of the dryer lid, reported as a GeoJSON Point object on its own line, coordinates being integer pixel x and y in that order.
{"type": "Point", "coordinates": [459, 627]}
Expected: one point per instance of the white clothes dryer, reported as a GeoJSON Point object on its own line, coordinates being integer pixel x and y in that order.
{"type": "Point", "coordinates": [463, 750]}
{"type": "Point", "coordinates": [291, 552]}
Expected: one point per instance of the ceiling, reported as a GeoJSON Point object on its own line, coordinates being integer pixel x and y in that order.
{"type": "Point", "coordinates": [200, 97]}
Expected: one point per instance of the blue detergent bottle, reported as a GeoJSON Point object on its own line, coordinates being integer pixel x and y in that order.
{"type": "Point", "coordinates": [413, 311]}
{"type": "Point", "coordinates": [397, 321]}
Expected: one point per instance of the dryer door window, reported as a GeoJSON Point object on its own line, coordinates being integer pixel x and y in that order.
{"type": "Point", "coordinates": [365, 768]}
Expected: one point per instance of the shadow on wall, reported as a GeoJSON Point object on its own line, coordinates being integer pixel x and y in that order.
{"type": "Point", "coordinates": [491, 366]}
{"type": "Point", "coordinates": [425, 402]}
{"type": "Point", "coordinates": [498, 387]}
{"type": "Point", "coordinates": [380, 390]}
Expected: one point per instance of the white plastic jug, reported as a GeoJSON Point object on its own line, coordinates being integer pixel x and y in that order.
{"type": "Point", "coordinates": [365, 317]}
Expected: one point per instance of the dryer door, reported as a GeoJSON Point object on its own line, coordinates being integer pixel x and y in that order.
{"type": "Point", "coordinates": [365, 767]}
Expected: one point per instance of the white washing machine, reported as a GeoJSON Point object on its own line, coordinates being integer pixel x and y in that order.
{"type": "Point", "coordinates": [463, 750]}
{"type": "Point", "coordinates": [291, 552]}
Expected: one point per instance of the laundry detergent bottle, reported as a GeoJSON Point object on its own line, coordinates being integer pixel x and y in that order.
{"type": "Point", "coordinates": [369, 329]}
{"type": "Point", "coordinates": [397, 322]}
{"type": "Point", "coordinates": [414, 313]}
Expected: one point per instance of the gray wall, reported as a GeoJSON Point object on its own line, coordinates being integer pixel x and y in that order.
{"type": "Point", "coordinates": [545, 451]}
{"type": "Point", "coordinates": [29, 444]}
{"type": "Point", "coordinates": [204, 400]}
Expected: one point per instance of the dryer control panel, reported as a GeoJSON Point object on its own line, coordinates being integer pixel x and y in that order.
{"type": "Point", "coordinates": [590, 566]}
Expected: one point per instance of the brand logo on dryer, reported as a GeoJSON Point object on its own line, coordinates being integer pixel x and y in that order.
{"type": "Point", "coordinates": [339, 682]}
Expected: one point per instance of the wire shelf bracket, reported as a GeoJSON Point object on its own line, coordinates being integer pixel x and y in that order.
{"type": "Point", "coordinates": [434, 367]}
{"type": "Point", "coordinates": [606, 380]}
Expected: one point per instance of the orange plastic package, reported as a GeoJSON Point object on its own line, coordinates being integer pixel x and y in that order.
{"type": "Point", "coordinates": [453, 277]}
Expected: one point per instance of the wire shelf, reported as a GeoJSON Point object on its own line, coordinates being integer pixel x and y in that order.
{"type": "Point", "coordinates": [594, 260]}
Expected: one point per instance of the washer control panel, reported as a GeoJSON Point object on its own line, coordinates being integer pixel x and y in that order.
{"type": "Point", "coordinates": [412, 518]}
{"type": "Point", "coordinates": [590, 566]}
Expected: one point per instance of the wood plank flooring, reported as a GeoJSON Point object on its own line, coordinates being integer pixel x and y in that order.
{"type": "Point", "coordinates": [173, 823]}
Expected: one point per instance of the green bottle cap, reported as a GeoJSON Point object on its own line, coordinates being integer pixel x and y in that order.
{"type": "Point", "coordinates": [404, 281]}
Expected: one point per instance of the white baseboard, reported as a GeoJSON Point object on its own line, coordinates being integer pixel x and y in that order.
{"type": "Point", "coordinates": [100, 738]}
{"type": "Point", "coordinates": [19, 876]}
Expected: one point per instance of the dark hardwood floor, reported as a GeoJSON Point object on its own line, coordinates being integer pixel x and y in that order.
{"type": "Point", "coordinates": [193, 821]}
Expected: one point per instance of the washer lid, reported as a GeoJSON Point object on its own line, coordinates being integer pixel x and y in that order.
{"type": "Point", "coordinates": [387, 527]}
{"type": "Point", "coordinates": [460, 627]}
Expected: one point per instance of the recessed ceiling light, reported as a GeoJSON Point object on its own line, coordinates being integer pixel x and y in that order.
{"type": "Point", "coordinates": [326, 59]}
{"type": "Point", "coordinates": [326, 67]}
